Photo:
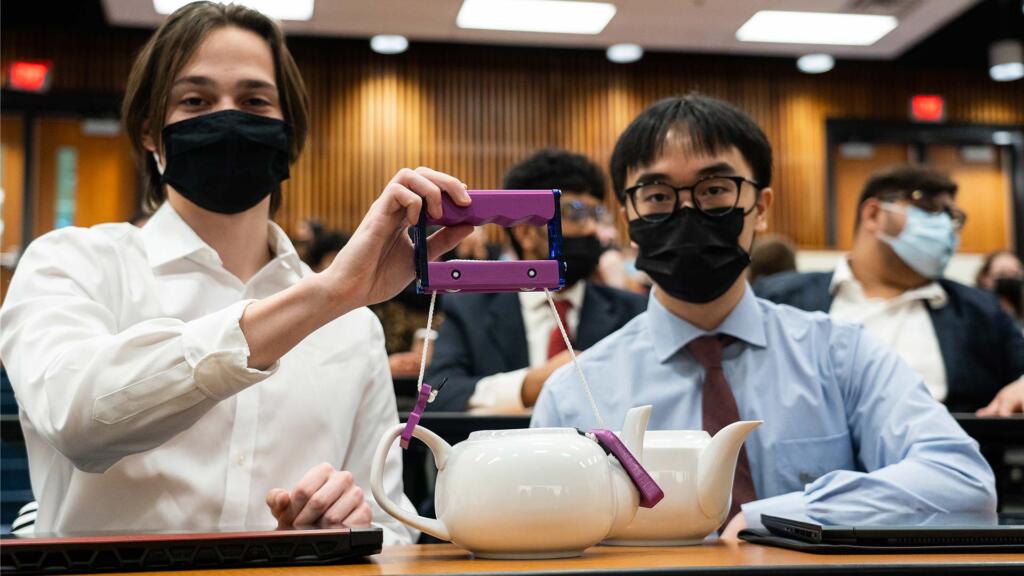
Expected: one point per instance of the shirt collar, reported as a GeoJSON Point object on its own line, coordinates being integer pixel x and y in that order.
{"type": "Point", "coordinates": [574, 294]}
{"type": "Point", "coordinates": [931, 292]}
{"type": "Point", "coordinates": [168, 238]}
{"type": "Point", "coordinates": [671, 333]}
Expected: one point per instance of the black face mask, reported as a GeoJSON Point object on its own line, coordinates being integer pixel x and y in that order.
{"type": "Point", "coordinates": [226, 161]}
{"type": "Point", "coordinates": [581, 254]}
{"type": "Point", "coordinates": [691, 256]}
{"type": "Point", "coordinates": [1011, 290]}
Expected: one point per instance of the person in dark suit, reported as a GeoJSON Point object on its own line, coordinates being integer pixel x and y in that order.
{"type": "Point", "coordinates": [966, 348]}
{"type": "Point", "coordinates": [496, 350]}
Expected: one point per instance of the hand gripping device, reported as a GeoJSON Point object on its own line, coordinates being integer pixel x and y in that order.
{"type": "Point", "coordinates": [506, 208]}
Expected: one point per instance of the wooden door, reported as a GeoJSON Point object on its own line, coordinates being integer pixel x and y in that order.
{"type": "Point", "coordinates": [984, 193]}
{"type": "Point", "coordinates": [12, 183]}
{"type": "Point", "coordinates": [852, 165]}
{"type": "Point", "coordinates": [83, 178]}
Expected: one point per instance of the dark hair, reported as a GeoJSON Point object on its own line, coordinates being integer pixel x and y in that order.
{"type": "Point", "coordinates": [140, 218]}
{"type": "Point", "coordinates": [713, 125]}
{"type": "Point", "coordinates": [771, 254]}
{"type": "Point", "coordinates": [554, 168]}
{"type": "Point", "coordinates": [900, 181]}
{"type": "Point", "coordinates": [166, 53]}
{"type": "Point", "coordinates": [986, 265]}
{"type": "Point", "coordinates": [324, 245]}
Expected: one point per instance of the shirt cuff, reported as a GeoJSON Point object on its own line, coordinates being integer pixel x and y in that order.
{"type": "Point", "coordinates": [788, 505]}
{"type": "Point", "coordinates": [503, 390]}
{"type": "Point", "coordinates": [218, 353]}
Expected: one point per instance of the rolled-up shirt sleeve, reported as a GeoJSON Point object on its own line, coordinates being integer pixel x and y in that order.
{"type": "Point", "coordinates": [503, 390]}
{"type": "Point", "coordinates": [912, 456]}
{"type": "Point", "coordinates": [99, 391]}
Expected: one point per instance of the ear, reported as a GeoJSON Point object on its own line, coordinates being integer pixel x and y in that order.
{"type": "Point", "coordinates": [871, 215]}
{"type": "Point", "coordinates": [764, 202]}
{"type": "Point", "coordinates": [147, 138]}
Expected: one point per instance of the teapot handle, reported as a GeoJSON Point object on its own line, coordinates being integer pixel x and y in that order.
{"type": "Point", "coordinates": [440, 449]}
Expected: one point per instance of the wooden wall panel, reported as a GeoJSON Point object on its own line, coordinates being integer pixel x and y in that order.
{"type": "Point", "coordinates": [472, 111]}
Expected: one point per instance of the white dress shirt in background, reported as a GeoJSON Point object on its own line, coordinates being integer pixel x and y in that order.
{"type": "Point", "coordinates": [504, 389]}
{"type": "Point", "coordinates": [902, 322]}
{"type": "Point", "coordinates": [137, 405]}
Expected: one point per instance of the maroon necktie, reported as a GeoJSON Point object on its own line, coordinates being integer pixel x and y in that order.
{"type": "Point", "coordinates": [556, 344]}
{"type": "Point", "coordinates": [718, 410]}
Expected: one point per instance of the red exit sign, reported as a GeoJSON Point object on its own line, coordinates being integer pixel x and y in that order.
{"type": "Point", "coordinates": [29, 76]}
{"type": "Point", "coordinates": [927, 108]}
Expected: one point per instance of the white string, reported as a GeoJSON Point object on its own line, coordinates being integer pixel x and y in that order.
{"type": "Point", "coordinates": [575, 362]}
{"type": "Point", "coordinates": [426, 340]}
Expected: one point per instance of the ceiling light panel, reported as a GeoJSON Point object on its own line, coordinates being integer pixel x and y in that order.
{"type": "Point", "coordinates": [780, 26]}
{"type": "Point", "coordinates": [278, 9]}
{"type": "Point", "coordinates": [555, 16]}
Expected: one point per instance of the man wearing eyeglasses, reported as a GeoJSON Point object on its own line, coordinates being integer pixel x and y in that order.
{"type": "Point", "coordinates": [496, 350]}
{"type": "Point", "coordinates": [850, 432]}
{"type": "Point", "coordinates": [968, 351]}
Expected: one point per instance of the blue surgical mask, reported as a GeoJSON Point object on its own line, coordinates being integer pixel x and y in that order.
{"type": "Point", "coordinates": [927, 242]}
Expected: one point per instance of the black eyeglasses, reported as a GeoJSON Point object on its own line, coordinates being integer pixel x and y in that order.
{"type": "Point", "coordinates": [714, 195]}
{"type": "Point", "coordinates": [576, 211]}
{"type": "Point", "coordinates": [931, 203]}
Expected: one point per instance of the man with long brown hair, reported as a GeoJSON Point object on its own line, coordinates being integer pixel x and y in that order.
{"type": "Point", "coordinates": [194, 373]}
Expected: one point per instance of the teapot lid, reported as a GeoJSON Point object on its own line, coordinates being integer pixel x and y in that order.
{"type": "Point", "coordinates": [519, 432]}
{"type": "Point", "coordinates": [676, 439]}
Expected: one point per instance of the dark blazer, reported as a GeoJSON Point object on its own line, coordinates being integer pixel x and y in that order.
{"type": "Point", "coordinates": [484, 334]}
{"type": "Point", "coordinates": [982, 348]}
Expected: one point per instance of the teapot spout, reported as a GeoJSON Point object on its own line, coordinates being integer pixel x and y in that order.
{"type": "Point", "coordinates": [634, 428]}
{"type": "Point", "coordinates": [717, 467]}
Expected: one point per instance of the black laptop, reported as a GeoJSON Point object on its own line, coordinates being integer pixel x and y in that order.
{"type": "Point", "coordinates": [106, 552]}
{"type": "Point", "coordinates": [896, 533]}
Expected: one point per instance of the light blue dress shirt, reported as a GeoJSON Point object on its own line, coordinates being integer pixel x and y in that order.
{"type": "Point", "coordinates": [849, 429]}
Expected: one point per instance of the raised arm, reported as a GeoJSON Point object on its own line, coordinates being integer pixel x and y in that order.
{"type": "Point", "coordinates": [99, 390]}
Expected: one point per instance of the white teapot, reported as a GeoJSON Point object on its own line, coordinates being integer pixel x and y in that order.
{"type": "Point", "coordinates": [518, 494]}
{"type": "Point", "coordinates": [696, 473]}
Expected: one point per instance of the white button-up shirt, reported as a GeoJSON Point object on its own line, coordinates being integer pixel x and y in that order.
{"type": "Point", "coordinates": [902, 322]}
{"type": "Point", "coordinates": [137, 405]}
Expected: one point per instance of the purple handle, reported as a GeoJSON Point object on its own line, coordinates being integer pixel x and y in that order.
{"type": "Point", "coordinates": [503, 207]}
{"type": "Point", "coordinates": [650, 492]}
{"type": "Point", "coordinates": [493, 276]}
{"type": "Point", "coordinates": [414, 416]}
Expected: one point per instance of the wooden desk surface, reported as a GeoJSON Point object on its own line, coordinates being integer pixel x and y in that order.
{"type": "Point", "coordinates": [718, 558]}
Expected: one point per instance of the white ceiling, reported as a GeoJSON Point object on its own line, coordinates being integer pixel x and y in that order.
{"type": "Point", "coordinates": [659, 25]}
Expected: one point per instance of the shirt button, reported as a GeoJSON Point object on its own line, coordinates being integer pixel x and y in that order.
{"type": "Point", "coordinates": [241, 460]}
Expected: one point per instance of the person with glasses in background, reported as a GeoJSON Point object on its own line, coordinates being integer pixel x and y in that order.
{"type": "Point", "coordinates": [848, 428]}
{"type": "Point", "coordinates": [967, 349]}
{"type": "Point", "coordinates": [496, 350]}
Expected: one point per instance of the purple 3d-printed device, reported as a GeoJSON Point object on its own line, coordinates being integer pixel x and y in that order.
{"type": "Point", "coordinates": [505, 208]}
